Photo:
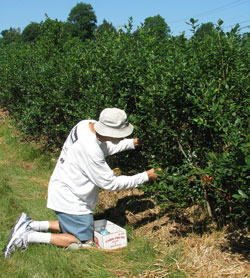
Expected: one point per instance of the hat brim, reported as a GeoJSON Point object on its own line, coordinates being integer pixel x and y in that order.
{"type": "Point", "coordinates": [104, 130]}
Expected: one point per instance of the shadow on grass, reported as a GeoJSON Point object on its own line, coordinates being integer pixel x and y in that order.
{"type": "Point", "coordinates": [134, 204]}
{"type": "Point", "coordinates": [141, 203]}
{"type": "Point", "coordinates": [184, 223]}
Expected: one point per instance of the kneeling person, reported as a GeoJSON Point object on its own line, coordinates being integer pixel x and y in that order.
{"type": "Point", "coordinates": [80, 172]}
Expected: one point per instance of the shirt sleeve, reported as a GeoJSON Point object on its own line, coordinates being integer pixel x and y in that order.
{"type": "Point", "coordinates": [102, 176]}
{"type": "Point", "coordinates": [110, 148]}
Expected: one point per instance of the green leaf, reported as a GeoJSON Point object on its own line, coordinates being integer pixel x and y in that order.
{"type": "Point", "coordinates": [236, 196]}
{"type": "Point", "coordinates": [242, 194]}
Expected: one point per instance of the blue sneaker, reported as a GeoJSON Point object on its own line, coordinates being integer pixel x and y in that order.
{"type": "Point", "coordinates": [16, 237]}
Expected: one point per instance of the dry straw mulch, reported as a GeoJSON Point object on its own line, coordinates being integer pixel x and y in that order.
{"type": "Point", "coordinates": [211, 254]}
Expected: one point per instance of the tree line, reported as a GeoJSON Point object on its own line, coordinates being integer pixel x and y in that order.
{"type": "Point", "coordinates": [82, 23]}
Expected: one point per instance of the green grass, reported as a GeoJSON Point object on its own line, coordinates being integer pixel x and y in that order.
{"type": "Point", "coordinates": [24, 175]}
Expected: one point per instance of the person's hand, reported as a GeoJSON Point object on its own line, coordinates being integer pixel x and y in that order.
{"type": "Point", "coordinates": [136, 142]}
{"type": "Point", "coordinates": [152, 174]}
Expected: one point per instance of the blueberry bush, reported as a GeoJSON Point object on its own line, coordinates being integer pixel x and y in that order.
{"type": "Point", "coordinates": [187, 98]}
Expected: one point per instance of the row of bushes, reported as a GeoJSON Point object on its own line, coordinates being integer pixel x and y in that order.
{"type": "Point", "coordinates": [187, 98]}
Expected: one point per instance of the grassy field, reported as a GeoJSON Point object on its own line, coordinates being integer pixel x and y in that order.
{"type": "Point", "coordinates": [159, 243]}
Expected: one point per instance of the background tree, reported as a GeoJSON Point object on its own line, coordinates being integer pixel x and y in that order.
{"type": "Point", "coordinates": [157, 26]}
{"type": "Point", "coordinates": [31, 32]}
{"type": "Point", "coordinates": [106, 27]}
{"type": "Point", "coordinates": [246, 39]}
{"type": "Point", "coordinates": [205, 29]}
{"type": "Point", "coordinates": [84, 18]}
{"type": "Point", "coordinates": [246, 36]}
{"type": "Point", "coordinates": [11, 35]}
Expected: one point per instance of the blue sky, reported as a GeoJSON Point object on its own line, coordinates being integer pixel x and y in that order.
{"type": "Point", "coordinates": [20, 13]}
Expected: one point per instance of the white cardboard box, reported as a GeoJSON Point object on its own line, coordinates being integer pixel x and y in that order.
{"type": "Point", "coordinates": [117, 237]}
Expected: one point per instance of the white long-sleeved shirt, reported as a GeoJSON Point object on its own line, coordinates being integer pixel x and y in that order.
{"type": "Point", "coordinates": [82, 169]}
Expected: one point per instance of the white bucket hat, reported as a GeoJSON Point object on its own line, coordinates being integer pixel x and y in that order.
{"type": "Point", "coordinates": [113, 122]}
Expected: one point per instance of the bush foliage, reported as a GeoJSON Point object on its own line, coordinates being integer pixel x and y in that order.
{"type": "Point", "coordinates": [187, 98]}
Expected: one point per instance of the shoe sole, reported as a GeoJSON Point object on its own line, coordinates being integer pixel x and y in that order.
{"type": "Point", "coordinates": [9, 248]}
{"type": "Point", "coordinates": [75, 246]}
